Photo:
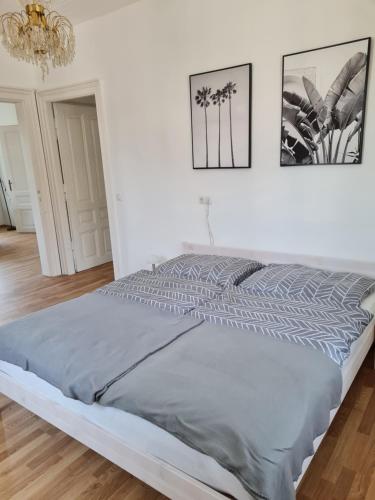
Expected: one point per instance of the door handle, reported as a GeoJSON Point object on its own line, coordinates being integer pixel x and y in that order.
{"type": "Point", "coordinates": [10, 185]}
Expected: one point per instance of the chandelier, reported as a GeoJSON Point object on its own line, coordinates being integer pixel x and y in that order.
{"type": "Point", "coordinates": [38, 35]}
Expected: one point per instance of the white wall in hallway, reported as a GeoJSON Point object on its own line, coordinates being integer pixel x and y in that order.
{"type": "Point", "coordinates": [8, 114]}
{"type": "Point", "coordinates": [15, 73]}
{"type": "Point", "coordinates": [143, 55]}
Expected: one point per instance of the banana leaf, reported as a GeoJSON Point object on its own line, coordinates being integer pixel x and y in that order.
{"type": "Point", "coordinates": [357, 127]}
{"type": "Point", "coordinates": [284, 133]}
{"type": "Point", "coordinates": [293, 152]}
{"type": "Point", "coordinates": [290, 112]}
{"type": "Point", "coordinates": [296, 100]}
{"type": "Point", "coordinates": [306, 131]}
{"type": "Point", "coordinates": [351, 101]}
{"type": "Point", "coordinates": [305, 106]}
{"type": "Point", "coordinates": [312, 144]}
{"type": "Point", "coordinates": [347, 109]}
{"type": "Point", "coordinates": [356, 130]}
{"type": "Point", "coordinates": [287, 156]}
{"type": "Point", "coordinates": [355, 155]}
{"type": "Point", "coordinates": [353, 66]}
{"type": "Point", "coordinates": [296, 118]}
{"type": "Point", "coordinates": [357, 84]}
{"type": "Point", "coordinates": [323, 134]}
{"type": "Point", "coordinates": [316, 100]}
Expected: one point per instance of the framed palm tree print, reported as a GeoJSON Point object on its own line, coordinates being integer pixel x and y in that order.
{"type": "Point", "coordinates": [220, 103]}
{"type": "Point", "coordinates": [323, 105]}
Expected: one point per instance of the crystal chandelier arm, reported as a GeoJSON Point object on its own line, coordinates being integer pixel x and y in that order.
{"type": "Point", "coordinates": [11, 22]}
{"type": "Point", "coordinates": [17, 17]}
{"type": "Point", "coordinates": [61, 28]}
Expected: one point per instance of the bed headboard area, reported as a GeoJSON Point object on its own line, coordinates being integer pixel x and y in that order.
{"type": "Point", "coordinates": [330, 263]}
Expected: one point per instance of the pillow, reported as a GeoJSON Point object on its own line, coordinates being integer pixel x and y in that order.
{"type": "Point", "coordinates": [165, 292]}
{"type": "Point", "coordinates": [216, 269]}
{"type": "Point", "coordinates": [306, 283]}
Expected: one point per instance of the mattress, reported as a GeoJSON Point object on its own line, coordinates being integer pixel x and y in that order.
{"type": "Point", "coordinates": [152, 440]}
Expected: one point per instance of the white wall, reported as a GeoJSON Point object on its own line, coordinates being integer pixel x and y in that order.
{"type": "Point", "coordinates": [143, 60]}
{"type": "Point", "coordinates": [14, 73]}
{"type": "Point", "coordinates": [8, 114]}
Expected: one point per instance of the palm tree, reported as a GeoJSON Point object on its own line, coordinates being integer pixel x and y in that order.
{"type": "Point", "coordinates": [202, 100]}
{"type": "Point", "coordinates": [219, 98]}
{"type": "Point", "coordinates": [230, 89]}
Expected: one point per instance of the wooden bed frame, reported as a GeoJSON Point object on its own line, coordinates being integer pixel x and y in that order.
{"type": "Point", "coordinates": [163, 477]}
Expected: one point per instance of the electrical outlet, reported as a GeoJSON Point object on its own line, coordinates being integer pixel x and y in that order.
{"type": "Point", "coordinates": [205, 200]}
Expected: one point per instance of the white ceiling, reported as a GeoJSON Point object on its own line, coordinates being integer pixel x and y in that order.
{"type": "Point", "coordinates": [77, 11]}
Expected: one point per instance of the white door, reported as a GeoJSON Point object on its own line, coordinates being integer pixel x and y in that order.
{"type": "Point", "coordinates": [14, 177]}
{"type": "Point", "coordinates": [82, 170]}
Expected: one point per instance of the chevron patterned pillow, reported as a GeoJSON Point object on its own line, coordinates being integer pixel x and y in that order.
{"type": "Point", "coordinates": [164, 292]}
{"type": "Point", "coordinates": [324, 325]}
{"type": "Point", "coordinates": [215, 269]}
{"type": "Point", "coordinates": [306, 283]}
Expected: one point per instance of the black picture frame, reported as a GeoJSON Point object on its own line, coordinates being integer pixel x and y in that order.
{"type": "Point", "coordinates": [223, 72]}
{"type": "Point", "coordinates": [327, 159]}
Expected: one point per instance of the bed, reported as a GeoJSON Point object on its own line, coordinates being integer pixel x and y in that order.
{"type": "Point", "coordinates": [145, 450]}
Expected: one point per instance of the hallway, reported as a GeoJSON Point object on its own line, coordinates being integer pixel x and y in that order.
{"type": "Point", "coordinates": [23, 289]}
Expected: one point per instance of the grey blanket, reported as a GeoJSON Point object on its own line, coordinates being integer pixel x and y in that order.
{"type": "Point", "coordinates": [252, 403]}
{"type": "Point", "coordinates": [82, 346]}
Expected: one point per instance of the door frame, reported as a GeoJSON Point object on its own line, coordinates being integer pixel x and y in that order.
{"type": "Point", "coordinates": [37, 176]}
{"type": "Point", "coordinates": [45, 100]}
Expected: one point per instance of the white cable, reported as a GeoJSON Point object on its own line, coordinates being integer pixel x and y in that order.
{"type": "Point", "coordinates": [210, 233]}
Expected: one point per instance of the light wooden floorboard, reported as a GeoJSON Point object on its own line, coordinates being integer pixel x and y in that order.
{"type": "Point", "coordinates": [40, 462]}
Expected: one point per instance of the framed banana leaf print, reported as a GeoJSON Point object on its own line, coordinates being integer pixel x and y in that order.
{"type": "Point", "coordinates": [220, 103]}
{"type": "Point", "coordinates": [323, 105]}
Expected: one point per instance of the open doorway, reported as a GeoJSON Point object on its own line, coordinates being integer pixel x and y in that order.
{"type": "Point", "coordinates": [66, 197]}
{"type": "Point", "coordinates": [73, 130]}
{"type": "Point", "coordinates": [82, 177]}
{"type": "Point", "coordinates": [18, 241]}
{"type": "Point", "coordinates": [26, 197]}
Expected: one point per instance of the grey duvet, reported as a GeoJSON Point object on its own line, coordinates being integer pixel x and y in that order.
{"type": "Point", "coordinates": [82, 346]}
{"type": "Point", "coordinates": [253, 403]}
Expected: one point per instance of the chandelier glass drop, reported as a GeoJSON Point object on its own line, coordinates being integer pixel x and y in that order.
{"type": "Point", "coordinates": [38, 35]}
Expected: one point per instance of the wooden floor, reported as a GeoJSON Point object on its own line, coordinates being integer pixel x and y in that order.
{"type": "Point", "coordinates": [23, 289]}
{"type": "Point", "coordinates": [40, 462]}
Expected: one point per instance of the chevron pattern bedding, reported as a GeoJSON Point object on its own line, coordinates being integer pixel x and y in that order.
{"type": "Point", "coordinates": [289, 303]}
{"type": "Point", "coordinates": [320, 325]}
{"type": "Point", "coordinates": [171, 294]}
{"type": "Point", "coordinates": [215, 269]}
{"type": "Point", "coordinates": [293, 281]}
